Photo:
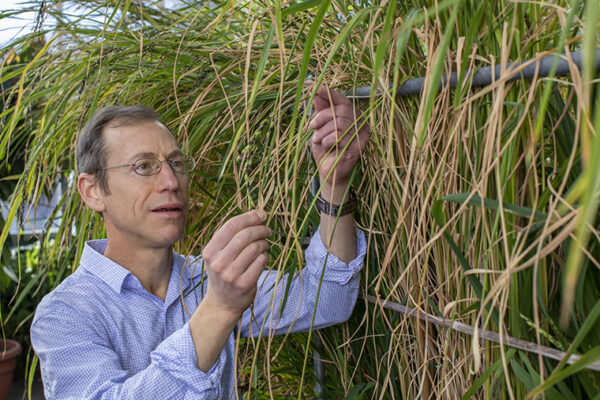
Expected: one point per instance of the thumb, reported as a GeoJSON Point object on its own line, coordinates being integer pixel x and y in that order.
{"type": "Point", "coordinates": [320, 103]}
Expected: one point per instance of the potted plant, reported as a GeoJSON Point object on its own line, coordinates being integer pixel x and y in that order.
{"type": "Point", "coordinates": [20, 306]}
{"type": "Point", "coordinates": [9, 351]}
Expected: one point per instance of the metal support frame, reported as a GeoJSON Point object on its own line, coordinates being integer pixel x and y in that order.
{"type": "Point", "coordinates": [528, 69]}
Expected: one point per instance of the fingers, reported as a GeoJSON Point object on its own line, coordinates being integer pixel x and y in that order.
{"type": "Point", "coordinates": [251, 252]}
{"type": "Point", "coordinates": [334, 133]}
{"type": "Point", "coordinates": [331, 96]}
{"type": "Point", "coordinates": [239, 252]}
{"type": "Point", "coordinates": [232, 227]}
{"type": "Point", "coordinates": [320, 103]}
{"type": "Point", "coordinates": [340, 134]}
{"type": "Point", "coordinates": [231, 255]}
{"type": "Point", "coordinates": [234, 259]}
{"type": "Point", "coordinates": [240, 269]}
{"type": "Point", "coordinates": [344, 111]}
{"type": "Point", "coordinates": [334, 122]}
{"type": "Point", "coordinates": [256, 267]}
{"type": "Point", "coordinates": [246, 237]}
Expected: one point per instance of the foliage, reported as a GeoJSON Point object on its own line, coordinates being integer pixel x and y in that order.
{"type": "Point", "coordinates": [439, 186]}
{"type": "Point", "coordinates": [26, 277]}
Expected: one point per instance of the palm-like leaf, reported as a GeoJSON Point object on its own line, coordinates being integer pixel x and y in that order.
{"type": "Point", "coordinates": [472, 198]}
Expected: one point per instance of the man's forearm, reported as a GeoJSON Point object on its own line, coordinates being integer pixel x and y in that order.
{"type": "Point", "coordinates": [338, 234]}
{"type": "Point", "coordinates": [210, 328]}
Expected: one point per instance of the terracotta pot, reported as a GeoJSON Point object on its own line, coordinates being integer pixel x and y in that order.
{"type": "Point", "coordinates": [9, 350]}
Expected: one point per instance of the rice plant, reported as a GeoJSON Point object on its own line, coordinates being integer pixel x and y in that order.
{"type": "Point", "coordinates": [479, 202]}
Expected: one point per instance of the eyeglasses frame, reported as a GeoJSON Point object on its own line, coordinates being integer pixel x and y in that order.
{"type": "Point", "coordinates": [132, 165]}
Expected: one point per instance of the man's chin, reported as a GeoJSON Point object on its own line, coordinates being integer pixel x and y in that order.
{"type": "Point", "coordinates": [167, 237]}
{"type": "Point", "coordinates": [170, 240]}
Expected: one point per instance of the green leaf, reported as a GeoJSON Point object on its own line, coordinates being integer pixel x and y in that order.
{"type": "Point", "coordinates": [496, 368]}
{"type": "Point", "coordinates": [297, 7]}
{"type": "Point", "coordinates": [477, 201]}
{"type": "Point", "coordinates": [436, 77]}
{"type": "Point", "coordinates": [558, 375]}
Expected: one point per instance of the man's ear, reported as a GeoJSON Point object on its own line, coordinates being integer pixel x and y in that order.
{"type": "Point", "coordinates": [90, 192]}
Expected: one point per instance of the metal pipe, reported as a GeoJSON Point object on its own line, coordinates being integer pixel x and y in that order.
{"type": "Point", "coordinates": [481, 333]}
{"type": "Point", "coordinates": [319, 367]}
{"type": "Point", "coordinates": [486, 75]}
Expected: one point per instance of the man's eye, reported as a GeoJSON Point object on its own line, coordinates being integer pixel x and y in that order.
{"type": "Point", "coordinates": [143, 165]}
{"type": "Point", "coordinates": [177, 163]}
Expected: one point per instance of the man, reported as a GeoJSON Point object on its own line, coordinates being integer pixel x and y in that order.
{"type": "Point", "coordinates": [129, 324]}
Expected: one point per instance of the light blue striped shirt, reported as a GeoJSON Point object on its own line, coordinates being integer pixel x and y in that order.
{"type": "Point", "coordinates": [101, 335]}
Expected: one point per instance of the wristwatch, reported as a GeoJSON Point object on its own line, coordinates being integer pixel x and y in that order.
{"type": "Point", "coordinates": [346, 207]}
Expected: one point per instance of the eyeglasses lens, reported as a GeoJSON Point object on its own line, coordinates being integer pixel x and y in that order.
{"type": "Point", "coordinates": [152, 166]}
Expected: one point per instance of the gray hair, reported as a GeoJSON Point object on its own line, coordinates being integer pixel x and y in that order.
{"type": "Point", "coordinates": [90, 154]}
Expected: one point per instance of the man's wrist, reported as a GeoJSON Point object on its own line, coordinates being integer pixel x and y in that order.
{"type": "Point", "coordinates": [225, 315]}
{"type": "Point", "coordinates": [334, 193]}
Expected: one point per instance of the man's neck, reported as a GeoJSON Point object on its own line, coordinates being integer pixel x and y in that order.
{"type": "Point", "coordinates": [152, 266]}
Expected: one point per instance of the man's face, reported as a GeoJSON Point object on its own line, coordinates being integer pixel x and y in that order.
{"type": "Point", "coordinates": [143, 211]}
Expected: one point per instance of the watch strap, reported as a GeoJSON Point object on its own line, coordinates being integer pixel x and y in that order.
{"type": "Point", "coordinates": [347, 207]}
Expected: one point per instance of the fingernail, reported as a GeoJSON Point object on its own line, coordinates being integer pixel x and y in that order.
{"type": "Point", "coordinates": [262, 214]}
{"type": "Point", "coordinates": [313, 123]}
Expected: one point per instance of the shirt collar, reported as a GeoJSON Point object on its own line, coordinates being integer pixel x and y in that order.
{"type": "Point", "coordinates": [115, 276]}
{"type": "Point", "coordinates": [93, 262]}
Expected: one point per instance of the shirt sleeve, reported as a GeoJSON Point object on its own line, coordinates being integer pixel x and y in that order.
{"type": "Point", "coordinates": [326, 288]}
{"type": "Point", "coordinates": [78, 362]}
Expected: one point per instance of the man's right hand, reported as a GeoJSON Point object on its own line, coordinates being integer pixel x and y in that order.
{"type": "Point", "coordinates": [234, 259]}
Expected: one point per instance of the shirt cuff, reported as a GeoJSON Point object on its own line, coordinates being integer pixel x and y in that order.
{"type": "Point", "coordinates": [336, 270]}
{"type": "Point", "coordinates": [177, 356]}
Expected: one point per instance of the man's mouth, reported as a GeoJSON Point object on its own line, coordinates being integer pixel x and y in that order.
{"type": "Point", "coordinates": [168, 209]}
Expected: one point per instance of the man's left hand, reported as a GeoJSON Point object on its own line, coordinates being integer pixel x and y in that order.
{"type": "Point", "coordinates": [339, 139]}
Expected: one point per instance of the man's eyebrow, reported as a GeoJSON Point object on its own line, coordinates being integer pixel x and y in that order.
{"type": "Point", "coordinates": [175, 153]}
{"type": "Point", "coordinates": [147, 154]}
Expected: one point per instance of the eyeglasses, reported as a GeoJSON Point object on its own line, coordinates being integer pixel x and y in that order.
{"type": "Point", "coordinates": [152, 166]}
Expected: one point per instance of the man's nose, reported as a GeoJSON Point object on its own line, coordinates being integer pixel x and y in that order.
{"type": "Point", "coordinates": [168, 179]}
